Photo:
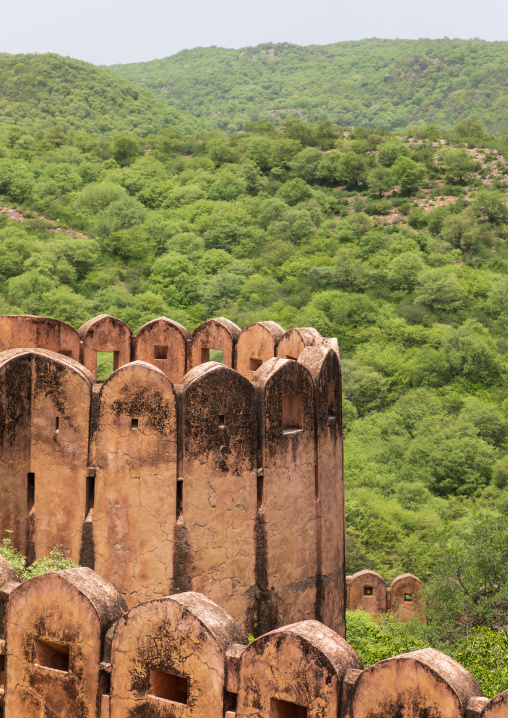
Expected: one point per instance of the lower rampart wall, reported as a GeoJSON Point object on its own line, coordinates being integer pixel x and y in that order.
{"type": "Point", "coordinates": [73, 650]}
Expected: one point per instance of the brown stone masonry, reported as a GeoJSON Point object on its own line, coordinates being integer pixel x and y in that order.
{"type": "Point", "coordinates": [368, 590]}
{"type": "Point", "coordinates": [73, 650]}
{"type": "Point", "coordinates": [177, 473]}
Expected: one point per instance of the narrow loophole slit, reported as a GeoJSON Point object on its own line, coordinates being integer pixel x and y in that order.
{"type": "Point", "coordinates": [179, 496]}
{"type": "Point", "coordinates": [259, 490]}
{"type": "Point", "coordinates": [30, 492]}
{"type": "Point", "coordinates": [90, 493]}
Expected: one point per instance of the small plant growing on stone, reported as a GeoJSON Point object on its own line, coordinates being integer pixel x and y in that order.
{"type": "Point", "coordinates": [56, 561]}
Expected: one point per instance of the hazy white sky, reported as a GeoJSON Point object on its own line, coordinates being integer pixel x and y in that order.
{"type": "Point", "coordinates": [114, 31]}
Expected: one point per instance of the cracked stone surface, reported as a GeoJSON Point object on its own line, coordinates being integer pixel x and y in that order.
{"type": "Point", "coordinates": [71, 609]}
{"type": "Point", "coordinates": [303, 664]}
{"type": "Point", "coordinates": [185, 636]}
{"type": "Point", "coordinates": [135, 504]}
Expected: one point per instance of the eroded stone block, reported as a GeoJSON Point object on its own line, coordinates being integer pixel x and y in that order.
{"type": "Point", "coordinates": [216, 539]}
{"type": "Point", "coordinates": [163, 342]}
{"type": "Point", "coordinates": [366, 589]}
{"type": "Point", "coordinates": [216, 334]}
{"type": "Point", "coordinates": [420, 683]}
{"type": "Point", "coordinates": [286, 523]}
{"type": "Point", "coordinates": [55, 627]}
{"type": "Point", "coordinates": [256, 344]}
{"type": "Point", "coordinates": [169, 659]}
{"type": "Point", "coordinates": [105, 334]}
{"type": "Point", "coordinates": [295, 671]}
{"type": "Point", "coordinates": [135, 447]}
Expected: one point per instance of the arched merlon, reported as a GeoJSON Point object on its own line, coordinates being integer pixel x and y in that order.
{"type": "Point", "coordinates": [19, 331]}
{"type": "Point", "coordinates": [220, 334]}
{"type": "Point", "coordinates": [256, 344]}
{"type": "Point", "coordinates": [105, 334]}
{"type": "Point", "coordinates": [135, 453]}
{"type": "Point", "coordinates": [44, 425]}
{"type": "Point", "coordinates": [295, 670]}
{"type": "Point", "coordinates": [286, 493]}
{"type": "Point", "coordinates": [425, 682]}
{"type": "Point", "coordinates": [163, 343]}
{"type": "Point", "coordinates": [56, 624]}
{"type": "Point", "coordinates": [218, 487]}
{"type": "Point", "coordinates": [295, 340]}
{"type": "Point", "coordinates": [323, 365]}
{"type": "Point", "coordinates": [185, 664]}
{"type": "Point", "coordinates": [366, 589]}
{"type": "Point", "coordinates": [405, 597]}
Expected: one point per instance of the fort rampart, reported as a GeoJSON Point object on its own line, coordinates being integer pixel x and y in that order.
{"type": "Point", "coordinates": [179, 474]}
{"type": "Point", "coordinates": [71, 649]}
{"type": "Point", "coordinates": [368, 590]}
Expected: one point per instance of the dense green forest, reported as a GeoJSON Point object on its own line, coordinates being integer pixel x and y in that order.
{"type": "Point", "coordinates": [384, 83]}
{"type": "Point", "coordinates": [394, 243]}
{"type": "Point", "coordinates": [41, 91]}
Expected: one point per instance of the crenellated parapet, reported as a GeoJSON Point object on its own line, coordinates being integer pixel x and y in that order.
{"type": "Point", "coordinates": [72, 648]}
{"type": "Point", "coordinates": [178, 473]}
{"type": "Point", "coordinates": [368, 590]}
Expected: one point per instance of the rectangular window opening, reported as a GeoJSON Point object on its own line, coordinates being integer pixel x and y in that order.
{"type": "Point", "coordinates": [367, 591]}
{"type": "Point", "coordinates": [52, 655]}
{"type": "Point", "coordinates": [222, 421]}
{"type": "Point", "coordinates": [105, 365]}
{"type": "Point", "coordinates": [254, 364]}
{"type": "Point", "coordinates": [332, 400]}
{"type": "Point", "coordinates": [160, 352]}
{"type": "Point", "coordinates": [179, 496]}
{"type": "Point", "coordinates": [134, 423]}
{"type": "Point", "coordinates": [57, 424]}
{"type": "Point", "coordinates": [30, 492]}
{"type": "Point", "coordinates": [292, 413]}
{"type": "Point", "coordinates": [217, 355]}
{"type": "Point", "coordinates": [168, 686]}
{"type": "Point", "coordinates": [205, 355]}
{"type": "Point", "coordinates": [259, 490]}
{"type": "Point", "coordinates": [90, 493]}
{"type": "Point", "coordinates": [408, 597]}
{"type": "Point", "coordinates": [2, 671]}
{"type": "Point", "coordinates": [285, 709]}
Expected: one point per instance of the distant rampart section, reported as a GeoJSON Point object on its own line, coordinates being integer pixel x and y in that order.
{"type": "Point", "coordinates": [179, 474]}
{"type": "Point", "coordinates": [368, 590]}
{"type": "Point", "coordinates": [72, 649]}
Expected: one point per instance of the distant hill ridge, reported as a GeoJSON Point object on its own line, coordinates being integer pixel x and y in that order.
{"type": "Point", "coordinates": [38, 91]}
{"type": "Point", "coordinates": [386, 83]}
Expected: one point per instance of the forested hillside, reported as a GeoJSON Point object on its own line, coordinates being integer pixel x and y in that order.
{"type": "Point", "coordinates": [44, 91]}
{"type": "Point", "coordinates": [383, 83]}
{"type": "Point", "coordinates": [394, 243]}
{"type": "Point", "coordinates": [396, 246]}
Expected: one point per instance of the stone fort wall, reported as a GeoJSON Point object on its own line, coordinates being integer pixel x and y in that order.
{"type": "Point", "coordinates": [368, 590]}
{"type": "Point", "coordinates": [179, 474]}
{"type": "Point", "coordinates": [71, 648]}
